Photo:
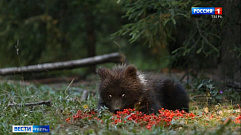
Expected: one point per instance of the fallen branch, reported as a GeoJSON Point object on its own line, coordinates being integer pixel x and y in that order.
{"type": "Point", "coordinates": [48, 103]}
{"type": "Point", "coordinates": [112, 57]}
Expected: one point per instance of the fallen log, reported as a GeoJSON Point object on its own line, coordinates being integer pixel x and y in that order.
{"type": "Point", "coordinates": [112, 57]}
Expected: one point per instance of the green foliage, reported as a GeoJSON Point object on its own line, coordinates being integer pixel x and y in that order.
{"type": "Point", "coordinates": [169, 23]}
{"type": "Point", "coordinates": [146, 58]}
{"type": "Point", "coordinates": [34, 32]}
{"type": "Point", "coordinates": [49, 31]}
{"type": "Point", "coordinates": [214, 93]}
{"type": "Point", "coordinates": [63, 103]}
{"type": "Point", "coordinates": [152, 20]}
{"type": "Point", "coordinates": [66, 102]}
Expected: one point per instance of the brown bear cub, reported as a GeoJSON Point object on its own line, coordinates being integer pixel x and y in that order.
{"type": "Point", "coordinates": [123, 87]}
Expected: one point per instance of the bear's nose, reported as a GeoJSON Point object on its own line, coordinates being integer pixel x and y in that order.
{"type": "Point", "coordinates": [115, 111]}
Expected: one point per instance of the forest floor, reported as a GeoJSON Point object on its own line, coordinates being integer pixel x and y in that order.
{"type": "Point", "coordinates": [73, 111]}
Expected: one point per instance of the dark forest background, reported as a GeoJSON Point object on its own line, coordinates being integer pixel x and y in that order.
{"type": "Point", "coordinates": [152, 34]}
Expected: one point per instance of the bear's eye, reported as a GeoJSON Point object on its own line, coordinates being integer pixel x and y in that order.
{"type": "Point", "coordinates": [110, 96]}
{"type": "Point", "coordinates": [123, 95]}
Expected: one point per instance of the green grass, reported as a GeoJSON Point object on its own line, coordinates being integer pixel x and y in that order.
{"type": "Point", "coordinates": [66, 102]}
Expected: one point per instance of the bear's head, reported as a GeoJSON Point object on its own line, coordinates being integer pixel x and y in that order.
{"type": "Point", "coordinates": [120, 88]}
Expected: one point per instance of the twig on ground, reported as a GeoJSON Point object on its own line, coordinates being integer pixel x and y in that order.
{"type": "Point", "coordinates": [48, 103]}
{"type": "Point", "coordinates": [197, 96]}
{"type": "Point", "coordinates": [68, 87]}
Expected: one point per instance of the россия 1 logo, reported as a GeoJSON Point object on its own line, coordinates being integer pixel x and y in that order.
{"type": "Point", "coordinates": [31, 128]}
{"type": "Point", "coordinates": [216, 12]}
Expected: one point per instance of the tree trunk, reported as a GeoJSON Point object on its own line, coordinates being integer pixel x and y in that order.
{"type": "Point", "coordinates": [229, 62]}
{"type": "Point", "coordinates": [90, 30]}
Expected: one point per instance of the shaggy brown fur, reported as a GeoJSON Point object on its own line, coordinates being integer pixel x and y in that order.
{"type": "Point", "coordinates": [123, 87]}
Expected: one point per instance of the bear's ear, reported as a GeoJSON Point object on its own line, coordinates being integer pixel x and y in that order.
{"type": "Point", "coordinates": [103, 73]}
{"type": "Point", "coordinates": [131, 71]}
